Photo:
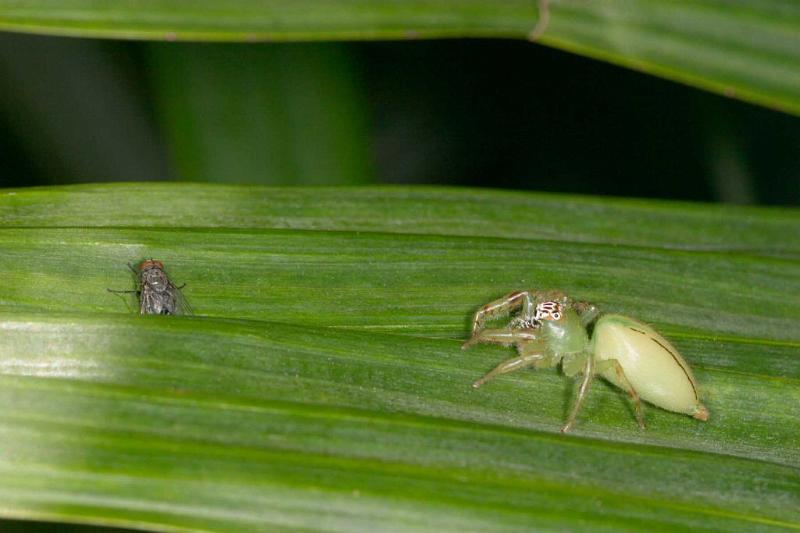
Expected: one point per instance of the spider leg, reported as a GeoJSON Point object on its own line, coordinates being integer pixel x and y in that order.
{"type": "Point", "coordinates": [588, 374]}
{"type": "Point", "coordinates": [504, 336]}
{"type": "Point", "coordinates": [502, 307]}
{"type": "Point", "coordinates": [604, 365]}
{"type": "Point", "coordinates": [531, 353]}
{"type": "Point", "coordinates": [542, 22]}
{"type": "Point", "coordinates": [587, 311]}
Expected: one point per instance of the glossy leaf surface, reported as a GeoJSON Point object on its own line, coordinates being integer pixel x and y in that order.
{"type": "Point", "coordinates": [748, 49]}
{"type": "Point", "coordinates": [320, 384]}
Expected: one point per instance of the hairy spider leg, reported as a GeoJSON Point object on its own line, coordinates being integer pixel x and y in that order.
{"type": "Point", "coordinates": [503, 306]}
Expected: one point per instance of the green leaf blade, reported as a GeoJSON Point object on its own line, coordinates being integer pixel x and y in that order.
{"type": "Point", "coordinates": [320, 384]}
{"type": "Point", "coordinates": [745, 49]}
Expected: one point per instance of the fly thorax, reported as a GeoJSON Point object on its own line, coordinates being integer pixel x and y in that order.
{"type": "Point", "coordinates": [156, 279]}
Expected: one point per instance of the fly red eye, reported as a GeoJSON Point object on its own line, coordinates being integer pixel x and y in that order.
{"type": "Point", "coordinates": [150, 263]}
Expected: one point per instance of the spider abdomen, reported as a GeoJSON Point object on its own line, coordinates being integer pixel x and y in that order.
{"type": "Point", "coordinates": [651, 364]}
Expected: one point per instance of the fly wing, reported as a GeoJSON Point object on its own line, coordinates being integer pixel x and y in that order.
{"type": "Point", "coordinates": [148, 300]}
{"type": "Point", "coordinates": [182, 306]}
{"type": "Point", "coordinates": [159, 296]}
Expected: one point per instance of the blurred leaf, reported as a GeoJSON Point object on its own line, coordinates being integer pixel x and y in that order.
{"type": "Point", "coordinates": [320, 384]}
{"type": "Point", "coordinates": [76, 112]}
{"type": "Point", "coordinates": [289, 113]}
{"type": "Point", "coordinates": [748, 49]}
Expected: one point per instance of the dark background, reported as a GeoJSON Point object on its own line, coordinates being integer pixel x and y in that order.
{"type": "Point", "coordinates": [485, 113]}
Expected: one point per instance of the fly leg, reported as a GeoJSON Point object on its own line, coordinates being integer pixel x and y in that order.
{"type": "Point", "coordinates": [136, 275]}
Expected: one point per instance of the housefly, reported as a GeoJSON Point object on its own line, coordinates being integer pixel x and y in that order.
{"type": "Point", "coordinates": [157, 294]}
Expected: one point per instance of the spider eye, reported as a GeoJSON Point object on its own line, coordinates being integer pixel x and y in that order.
{"type": "Point", "coordinates": [548, 311]}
